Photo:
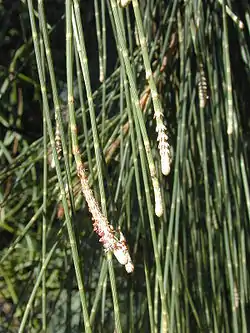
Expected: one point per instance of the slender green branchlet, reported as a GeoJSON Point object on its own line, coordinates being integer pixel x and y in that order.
{"type": "Point", "coordinates": [162, 136]}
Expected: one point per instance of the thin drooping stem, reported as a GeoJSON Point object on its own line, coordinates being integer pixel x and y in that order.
{"type": "Point", "coordinates": [148, 198]}
{"type": "Point", "coordinates": [229, 101]}
{"type": "Point", "coordinates": [162, 137]}
{"type": "Point", "coordinates": [138, 111]}
{"type": "Point", "coordinates": [60, 141]}
{"type": "Point", "coordinates": [35, 288]}
{"type": "Point", "coordinates": [45, 203]}
{"type": "Point", "coordinates": [71, 234]}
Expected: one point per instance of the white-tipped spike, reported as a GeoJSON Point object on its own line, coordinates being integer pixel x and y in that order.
{"type": "Point", "coordinates": [124, 259]}
{"type": "Point", "coordinates": [121, 253]}
{"type": "Point", "coordinates": [123, 3]}
{"type": "Point", "coordinates": [241, 24]}
{"type": "Point", "coordinates": [164, 149]}
{"type": "Point", "coordinates": [52, 164]}
{"type": "Point", "coordinates": [202, 88]}
{"type": "Point", "coordinates": [230, 129]}
{"type": "Point", "coordinates": [165, 164]}
{"type": "Point", "coordinates": [58, 141]}
{"type": "Point", "coordinates": [101, 76]}
{"type": "Point", "coordinates": [158, 204]}
{"type": "Point", "coordinates": [236, 297]}
{"type": "Point", "coordinates": [158, 209]}
{"type": "Point", "coordinates": [129, 267]}
{"type": "Point", "coordinates": [121, 256]}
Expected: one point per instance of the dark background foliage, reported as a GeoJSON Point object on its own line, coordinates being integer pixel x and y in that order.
{"type": "Point", "coordinates": [201, 241]}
